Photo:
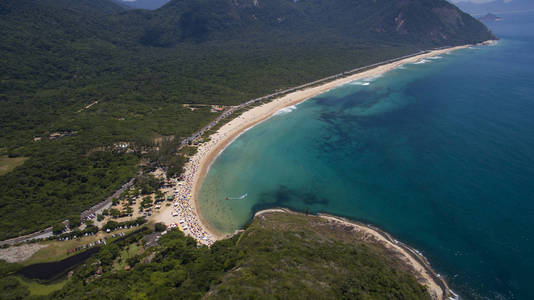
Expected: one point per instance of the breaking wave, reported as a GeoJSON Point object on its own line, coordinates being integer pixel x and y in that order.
{"type": "Point", "coordinates": [422, 61]}
{"type": "Point", "coordinates": [286, 110]}
{"type": "Point", "coordinates": [359, 83]}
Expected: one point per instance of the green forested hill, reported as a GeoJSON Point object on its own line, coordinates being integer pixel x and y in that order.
{"type": "Point", "coordinates": [97, 7]}
{"type": "Point", "coordinates": [139, 67]}
{"type": "Point", "coordinates": [280, 255]}
{"type": "Point", "coordinates": [411, 22]}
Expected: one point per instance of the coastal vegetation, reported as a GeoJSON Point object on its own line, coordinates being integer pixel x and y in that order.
{"type": "Point", "coordinates": [52, 186]}
{"type": "Point", "coordinates": [9, 163]}
{"type": "Point", "coordinates": [284, 255]}
{"type": "Point", "coordinates": [38, 289]}
{"type": "Point", "coordinates": [87, 88]}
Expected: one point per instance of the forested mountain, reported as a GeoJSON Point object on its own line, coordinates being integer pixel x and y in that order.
{"type": "Point", "coordinates": [381, 21]}
{"type": "Point", "coordinates": [137, 68]}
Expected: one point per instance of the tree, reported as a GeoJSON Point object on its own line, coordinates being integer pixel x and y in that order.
{"type": "Point", "coordinates": [140, 220]}
{"type": "Point", "coordinates": [148, 183]}
{"type": "Point", "coordinates": [129, 210]}
{"type": "Point", "coordinates": [108, 253]}
{"type": "Point", "coordinates": [11, 288]}
{"type": "Point", "coordinates": [58, 228]}
{"type": "Point", "coordinates": [111, 225]}
{"type": "Point", "coordinates": [115, 213]}
{"type": "Point", "coordinates": [74, 221]}
{"type": "Point", "coordinates": [105, 212]}
{"type": "Point", "coordinates": [147, 202]}
{"type": "Point", "coordinates": [159, 195]}
{"type": "Point", "coordinates": [159, 227]}
{"type": "Point", "coordinates": [89, 223]}
{"type": "Point", "coordinates": [114, 201]}
{"type": "Point", "coordinates": [99, 217]}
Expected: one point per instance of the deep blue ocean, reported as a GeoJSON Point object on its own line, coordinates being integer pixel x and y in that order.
{"type": "Point", "coordinates": [440, 154]}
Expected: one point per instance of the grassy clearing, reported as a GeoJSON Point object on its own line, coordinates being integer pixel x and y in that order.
{"type": "Point", "coordinates": [7, 164]}
{"type": "Point", "coordinates": [57, 250]}
{"type": "Point", "coordinates": [38, 289]}
{"type": "Point", "coordinates": [122, 261]}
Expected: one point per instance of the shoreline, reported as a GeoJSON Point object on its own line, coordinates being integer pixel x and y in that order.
{"type": "Point", "coordinates": [208, 152]}
{"type": "Point", "coordinates": [199, 164]}
{"type": "Point", "coordinates": [436, 285]}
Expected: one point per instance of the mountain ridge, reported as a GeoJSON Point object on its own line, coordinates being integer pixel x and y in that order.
{"type": "Point", "coordinates": [407, 20]}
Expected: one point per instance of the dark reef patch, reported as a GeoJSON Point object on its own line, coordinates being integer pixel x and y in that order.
{"type": "Point", "coordinates": [283, 196]}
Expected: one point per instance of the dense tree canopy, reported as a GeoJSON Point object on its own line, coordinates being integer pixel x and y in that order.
{"type": "Point", "coordinates": [281, 256]}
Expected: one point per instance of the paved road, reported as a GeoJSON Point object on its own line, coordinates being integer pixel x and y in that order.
{"type": "Point", "coordinates": [106, 203]}
{"type": "Point", "coordinates": [45, 233]}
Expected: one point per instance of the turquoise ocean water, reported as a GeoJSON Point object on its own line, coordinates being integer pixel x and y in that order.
{"type": "Point", "coordinates": [440, 154]}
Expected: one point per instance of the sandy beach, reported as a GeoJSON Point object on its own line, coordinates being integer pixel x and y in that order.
{"type": "Point", "coordinates": [185, 210]}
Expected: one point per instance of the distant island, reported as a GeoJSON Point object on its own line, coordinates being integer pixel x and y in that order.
{"type": "Point", "coordinates": [490, 18]}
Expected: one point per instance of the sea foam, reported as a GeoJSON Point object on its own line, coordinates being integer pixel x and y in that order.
{"type": "Point", "coordinates": [286, 110]}
{"type": "Point", "coordinates": [422, 61]}
{"type": "Point", "coordinates": [359, 83]}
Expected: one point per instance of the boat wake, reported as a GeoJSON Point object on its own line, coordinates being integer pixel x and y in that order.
{"type": "Point", "coordinates": [237, 198]}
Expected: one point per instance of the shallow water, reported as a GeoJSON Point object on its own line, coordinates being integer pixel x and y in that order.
{"type": "Point", "coordinates": [440, 154]}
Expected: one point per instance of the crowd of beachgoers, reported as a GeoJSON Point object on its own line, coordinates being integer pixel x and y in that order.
{"type": "Point", "coordinates": [185, 216]}
{"type": "Point", "coordinates": [184, 212]}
